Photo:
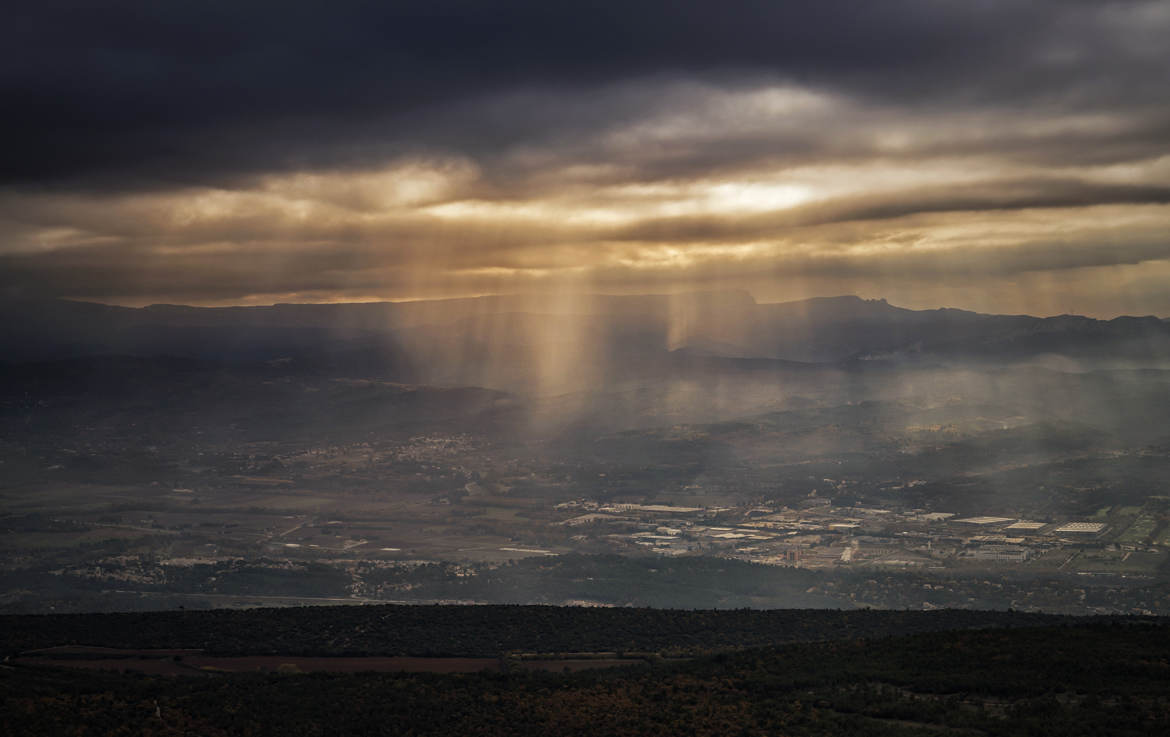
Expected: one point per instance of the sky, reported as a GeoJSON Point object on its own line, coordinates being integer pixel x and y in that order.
{"type": "Point", "coordinates": [1004, 157]}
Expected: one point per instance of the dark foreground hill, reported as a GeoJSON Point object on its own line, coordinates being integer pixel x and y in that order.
{"type": "Point", "coordinates": [870, 673]}
{"type": "Point", "coordinates": [484, 630]}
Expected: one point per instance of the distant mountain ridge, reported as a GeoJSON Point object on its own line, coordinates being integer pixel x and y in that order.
{"type": "Point", "coordinates": [507, 341]}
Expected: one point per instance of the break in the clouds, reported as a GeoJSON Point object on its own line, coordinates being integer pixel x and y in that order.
{"type": "Point", "coordinates": [1009, 156]}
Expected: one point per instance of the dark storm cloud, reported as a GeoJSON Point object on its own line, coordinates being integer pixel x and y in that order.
{"type": "Point", "coordinates": [227, 151]}
{"type": "Point", "coordinates": [999, 195]}
{"type": "Point", "coordinates": [135, 268]}
{"type": "Point", "coordinates": [136, 92]}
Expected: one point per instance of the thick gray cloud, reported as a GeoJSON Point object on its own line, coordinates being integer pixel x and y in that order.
{"type": "Point", "coordinates": [1000, 195]}
{"type": "Point", "coordinates": [182, 90]}
{"type": "Point", "coordinates": [221, 152]}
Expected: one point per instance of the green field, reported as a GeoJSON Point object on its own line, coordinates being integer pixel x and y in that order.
{"type": "Point", "coordinates": [1136, 563]}
{"type": "Point", "coordinates": [1163, 537]}
{"type": "Point", "coordinates": [1139, 531]}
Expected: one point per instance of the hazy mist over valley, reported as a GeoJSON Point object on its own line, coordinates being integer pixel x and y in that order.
{"type": "Point", "coordinates": [836, 452]}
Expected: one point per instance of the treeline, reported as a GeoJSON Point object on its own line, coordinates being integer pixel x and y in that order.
{"type": "Point", "coordinates": [484, 631]}
{"type": "Point", "coordinates": [677, 583]}
{"type": "Point", "coordinates": [1101, 679]}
